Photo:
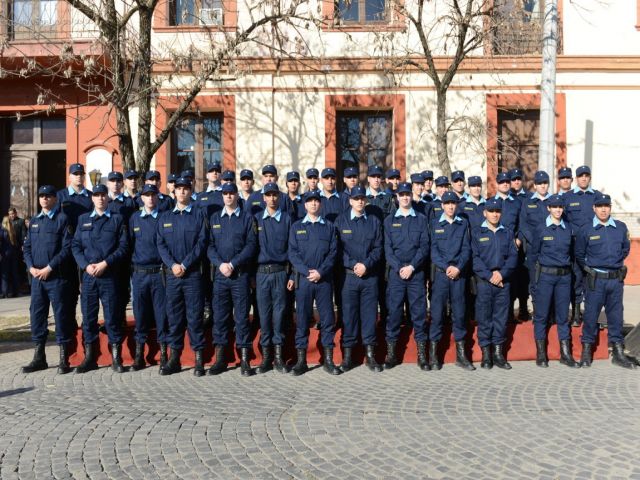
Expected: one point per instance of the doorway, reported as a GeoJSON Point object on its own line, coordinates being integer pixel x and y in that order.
{"type": "Point", "coordinates": [52, 166]}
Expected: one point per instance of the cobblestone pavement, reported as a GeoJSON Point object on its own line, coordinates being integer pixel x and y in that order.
{"type": "Point", "coordinates": [527, 423]}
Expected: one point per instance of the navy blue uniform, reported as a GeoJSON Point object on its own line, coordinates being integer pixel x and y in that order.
{"type": "Point", "coordinates": [603, 249]}
{"type": "Point", "coordinates": [333, 205]}
{"type": "Point", "coordinates": [406, 242]}
{"type": "Point", "coordinates": [450, 246]}
{"type": "Point", "coordinates": [436, 210]}
{"type": "Point", "coordinates": [313, 246]}
{"type": "Point", "coordinates": [48, 243]}
{"type": "Point", "coordinates": [492, 251]}
{"type": "Point", "coordinates": [552, 249]}
{"type": "Point", "coordinates": [510, 219]}
{"type": "Point", "coordinates": [148, 289]}
{"type": "Point", "coordinates": [99, 238]}
{"type": "Point", "coordinates": [472, 211]}
{"type": "Point", "coordinates": [210, 201]}
{"type": "Point", "coordinates": [361, 242]}
{"type": "Point", "coordinates": [232, 240]}
{"type": "Point", "coordinates": [182, 240]}
{"type": "Point", "coordinates": [124, 206]}
{"type": "Point", "coordinates": [255, 203]}
{"type": "Point", "coordinates": [300, 211]}
{"type": "Point", "coordinates": [271, 275]}
{"type": "Point", "coordinates": [380, 205]}
{"type": "Point", "coordinates": [532, 214]}
{"type": "Point", "coordinates": [422, 206]}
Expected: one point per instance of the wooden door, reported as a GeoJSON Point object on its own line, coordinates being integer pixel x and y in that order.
{"type": "Point", "coordinates": [518, 142]}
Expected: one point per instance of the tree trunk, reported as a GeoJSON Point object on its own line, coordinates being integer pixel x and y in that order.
{"type": "Point", "coordinates": [143, 156]}
{"type": "Point", "coordinates": [441, 132]}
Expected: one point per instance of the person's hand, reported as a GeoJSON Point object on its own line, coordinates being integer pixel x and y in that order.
{"type": "Point", "coordinates": [91, 269]}
{"type": "Point", "coordinates": [35, 272]}
{"type": "Point", "coordinates": [452, 272]}
{"type": "Point", "coordinates": [496, 279]}
{"type": "Point", "coordinates": [100, 268]}
{"type": "Point", "coordinates": [178, 270]}
{"type": "Point", "coordinates": [226, 269]}
{"type": "Point", "coordinates": [44, 273]}
{"type": "Point", "coordinates": [359, 269]}
{"type": "Point", "coordinates": [314, 276]}
{"type": "Point", "coordinates": [518, 243]}
{"type": "Point", "coordinates": [406, 272]}
{"type": "Point", "coordinates": [290, 285]}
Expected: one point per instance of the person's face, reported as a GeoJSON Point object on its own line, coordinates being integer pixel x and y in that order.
{"type": "Point", "coordinates": [428, 183]}
{"type": "Point", "coordinates": [46, 202]}
{"type": "Point", "coordinates": [555, 211]}
{"type": "Point", "coordinates": [516, 184]}
{"type": "Point", "coordinates": [12, 215]}
{"type": "Point", "coordinates": [271, 200]}
{"type": "Point", "coordinates": [131, 183]}
{"type": "Point", "coordinates": [213, 176]}
{"type": "Point", "coordinates": [246, 184]}
{"type": "Point", "coordinates": [542, 188]}
{"type": "Point", "coordinates": [504, 186]}
{"type": "Point", "coordinates": [183, 194]}
{"type": "Point", "coordinates": [150, 200]}
{"type": "Point", "coordinates": [114, 186]}
{"type": "Point", "coordinates": [583, 180]}
{"type": "Point", "coordinates": [458, 186]}
{"type": "Point", "coordinates": [404, 199]}
{"type": "Point", "coordinates": [449, 208]}
{"type": "Point", "coordinates": [230, 199]}
{"type": "Point", "coordinates": [358, 204]}
{"type": "Point", "coordinates": [76, 180]}
{"type": "Point", "coordinates": [417, 189]}
{"type": "Point", "coordinates": [393, 182]}
{"type": "Point", "coordinates": [171, 187]}
{"type": "Point", "coordinates": [351, 182]}
{"type": "Point", "coordinates": [99, 201]}
{"type": "Point", "coordinates": [441, 189]}
{"type": "Point", "coordinates": [475, 191]}
{"type": "Point", "coordinates": [493, 216]}
{"type": "Point", "coordinates": [312, 183]}
{"type": "Point", "coordinates": [293, 186]}
{"type": "Point", "coordinates": [375, 181]}
{"type": "Point", "coordinates": [603, 212]}
{"type": "Point", "coordinates": [565, 183]}
{"type": "Point", "coordinates": [329, 183]}
{"type": "Point", "coordinates": [312, 206]}
{"type": "Point", "coordinates": [269, 178]}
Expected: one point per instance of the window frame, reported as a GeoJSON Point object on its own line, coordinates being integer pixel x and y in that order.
{"type": "Point", "coordinates": [395, 21]}
{"type": "Point", "coordinates": [162, 19]}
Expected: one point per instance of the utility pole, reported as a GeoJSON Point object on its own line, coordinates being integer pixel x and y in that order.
{"type": "Point", "coordinates": [547, 149]}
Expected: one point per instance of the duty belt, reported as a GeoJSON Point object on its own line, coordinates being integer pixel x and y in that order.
{"type": "Point", "coordinates": [271, 268]}
{"type": "Point", "coordinates": [558, 271]}
{"type": "Point", "coordinates": [149, 270]}
{"type": "Point", "coordinates": [618, 273]}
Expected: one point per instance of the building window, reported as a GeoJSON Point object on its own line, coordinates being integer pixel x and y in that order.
{"type": "Point", "coordinates": [364, 138]}
{"type": "Point", "coordinates": [197, 141]}
{"type": "Point", "coordinates": [195, 12]}
{"type": "Point", "coordinates": [32, 18]}
{"type": "Point", "coordinates": [361, 11]}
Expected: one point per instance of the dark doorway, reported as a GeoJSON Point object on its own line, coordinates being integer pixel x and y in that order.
{"type": "Point", "coordinates": [52, 168]}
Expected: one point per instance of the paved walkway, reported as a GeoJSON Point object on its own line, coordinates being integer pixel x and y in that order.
{"type": "Point", "coordinates": [528, 423]}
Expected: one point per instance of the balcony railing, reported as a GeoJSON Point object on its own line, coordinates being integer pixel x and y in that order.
{"type": "Point", "coordinates": [519, 32]}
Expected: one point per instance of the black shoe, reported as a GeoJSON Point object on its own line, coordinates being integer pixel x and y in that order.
{"type": "Point", "coordinates": [423, 364]}
{"type": "Point", "coordinates": [138, 358]}
{"type": "Point", "coordinates": [63, 366]}
{"type": "Point", "coordinates": [541, 354]}
{"type": "Point", "coordinates": [390, 360]}
{"type": "Point", "coordinates": [267, 360]}
{"type": "Point", "coordinates": [279, 364]}
{"type": "Point", "coordinates": [301, 365]}
{"type": "Point", "coordinates": [328, 365]}
{"type": "Point", "coordinates": [173, 364]}
{"type": "Point", "coordinates": [461, 358]}
{"type": "Point", "coordinates": [39, 361]}
{"type": "Point", "coordinates": [245, 365]}
{"type": "Point", "coordinates": [487, 359]}
{"type": "Point", "coordinates": [370, 359]}
{"type": "Point", "coordinates": [163, 355]}
{"type": "Point", "coordinates": [198, 368]}
{"type": "Point", "coordinates": [90, 359]}
{"type": "Point", "coordinates": [346, 364]}
{"type": "Point", "coordinates": [619, 358]}
{"type": "Point", "coordinates": [220, 365]}
{"type": "Point", "coordinates": [498, 358]}
{"type": "Point", "coordinates": [434, 363]}
{"type": "Point", "coordinates": [566, 354]}
{"type": "Point", "coordinates": [116, 358]}
{"type": "Point", "coordinates": [586, 357]}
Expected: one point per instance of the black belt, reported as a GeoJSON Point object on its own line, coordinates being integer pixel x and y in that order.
{"type": "Point", "coordinates": [607, 275]}
{"type": "Point", "coordinates": [558, 271]}
{"type": "Point", "coordinates": [438, 269]}
{"type": "Point", "coordinates": [149, 270]}
{"type": "Point", "coordinates": [271, 268]}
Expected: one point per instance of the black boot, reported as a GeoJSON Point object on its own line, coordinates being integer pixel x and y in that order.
{"type": "Point", "coordinates": [267, 360]}
{"type": "Point", "coordinates": [576, 317]}
{"type": "Point", "coordinates": [370, 359]}
{"type": "Point", "coordinates": [487, 359]}
{"type": "Point", "coordinates": [434, 363]}
{"type": "Point", "coordinates": [279, 364]}
{"type": "Point", "coordinates": [138, 359]}
{"type": "Point", "coordinates": [566, 354]}
{"type": "Point", "coordinates": [541, 354]}
{"type": "Point", "coordinates": [423, 364]}
{"type": "Point", "coordinates": [301, 365]}
{"type": "Point", "coordinates": [163, 355]}
{"type": "Point", "coordinates": [173, 364]}
{"type": "Point", "coordinates": [39, 361]}
{"type": "Point", "coordinates": [586, 356]}
{"type": "Point", "coordinates": [116, 358]}
{"type": "Point", "coordinates": [461, 358]}
{"type": "Point", "coordinates": [347, 364]}
{"type": "Point", "coordinates": [390, 360]}
{"type": "Point", "coordinates": [221, 364]}
{"type": "Point", "coordinates": [198, 368]}
{"type": "Point", "coordinates": [245, 365]}
{"type": "Point", "coordinates": [63, 366]}
{"type": "Point", "coordinates": [90, 359]}
{"type": "Point", "coordinates": [498, 358]}
{"type": "Point", "coordinates": [619, 358]}
{"type": "Point", "coordinates": [328, 365]}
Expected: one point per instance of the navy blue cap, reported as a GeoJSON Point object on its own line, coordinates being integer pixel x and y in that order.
{"type": "Point", "coordinates": [187, 174]}
{"type": "Point", "coordinates": [374, 170]}
{"type": "Point", "coordinates": [100, 188]}
{"type": "Point", "coordinates": [312, 172]}
{"type": "Point", "coordinates": [582, 170]}
{"type": "Point", "coordinates": [450, 197]}
{"type": "Point", "coordinates": [76, 168]}
{"type": "Point", "coordinates": [541, 177]}
{"type": "Point", "coordinates": [357, 192]}
{"type": "Point", "coordinates": [392, 173]}
{"type": "Point", "coordinates": [494, 203]}
{"type": "Point", "coordinates": [131, 174]}
{"type": "Point", "coordinates": [246, 173]}
{"type": "Point", "coordinates": [269, 169]}
{"type": "Point", "coordinates": [328, 172]}
{"type": "Point", "coordinates": [404, 187]}
{"type": "Point", "coordinates": [350, 172]}
{"type": "Point", "coordinates": [214, 166]}
{"type": "Point", "coordinates": [417, 178]}
{"type": "Point", "coordinates": [457, 175]}
{"type": "Point", "coordinates": [114, 177]}
{"type": "Point", "coordinates": [441, 181]}
{"type": "Point", "coordinates": [148, 188]}
{"type": "Point", "coordinates": [293, 176]}
{"type": "Point", "coordinates": [515, 173]}
{"type": "Point", "coordinates": [171, 178]}
{"type": "Point", "coordinates": [312, 194]}
{"type": "Point", "coordinates": [503, 177]}
{"type": "Point", "coordinates": [427, 174]}
{"type": "Point", "coordinates": [229, 175]}
{"type": "Point", "coordinates": [152, 174]}
{"type": "Point", "coordinates": [229, 187]}
{"type": "Point", "coordinates": [271, 187]}
{"type": "Point", "coordinates": [47, 190]}
{"type": "Point", "coordinates": [474, 181]}
{"type": "Point", "coordinates": [602, 199]}
{"type": "Point", "coordinates": [565, 172]}
{"type": "Point", "coordinates": [183, 181]}
{"type": "Point", "coordinates": [554, 201]}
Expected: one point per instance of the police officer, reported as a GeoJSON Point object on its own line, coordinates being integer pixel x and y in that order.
{"type": "Point", "coordinates": [171, 186]}
{"type": "Point", "coordinates": [99, 245]}
{"type": "Point", "coordinates": [350, 178]}
{"type": "Point", "coordinates": [256, 204]}
{"type": "Point", "coordinates": [47, 250]}
{"type": "Point", "coordinates": [406, 247]}
{"type": "Point", "coordinates": [601, 248]}
{"type": "Point", "coordinates": [428, 183]}
{"type": "Point", "coordinates": [393, 180]}
{"type": "Point", "coordinates": [312, 253]}
{"type": "Point", "coordinates": [313, 180]}
{"type": "Point", "coordinates": [442, 186]}
{"type": "Point", "coordinates": [361, 246]}
{"type": "Point", "coordinates": [246, 184]}
{"type": "Point", "coordinates": [450, 253]}
{"type": "Point", "coordinates": [182, 241]}
{"type": "Point", "coordinates": [380, 203]}
{"type": "Point", "coordinates": [458, 185]}
{"type": "Point", "coordinates": [191, 176]}
{"type": "Point", "coordinates": [147, 282]}
{"type": "Point", "coordinates": [494, 259]}
{"type": "Point", "coordinates": [272, 278]}
{"type": "Point", "coordinates": [232, 246]}
{"type": "Point", "coordinates": [551, 253]}
{"type": "Point", "coordinates": [517, 190]}
{"type": "Point", "coordinates": [293, 190]}
{"type": "Point", "coordinates": [418, 201]}
{"type": "Point", "coordinates": [165, 202]}
{"type": "Point", "coordinates": [565, 179]}
{"type": "Point", "coordinates": [131, 184]}
{"type": "Point", "coordinates": [473, 206]}
{"type": "Point", "coordinates": [210, 199]}
{"type": "Point", "coordinates": [332, 203]}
